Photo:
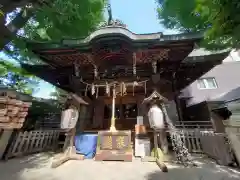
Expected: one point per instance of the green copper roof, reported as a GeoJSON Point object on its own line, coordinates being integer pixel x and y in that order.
{"type": "Point", "coordinates": [117, 32]}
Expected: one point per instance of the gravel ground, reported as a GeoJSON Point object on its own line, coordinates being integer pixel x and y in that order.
{"type": "Point", "coordinates": [37, 167]}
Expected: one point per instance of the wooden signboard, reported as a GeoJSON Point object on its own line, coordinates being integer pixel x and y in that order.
{"type": "Point", "coordinates": [115, 146]}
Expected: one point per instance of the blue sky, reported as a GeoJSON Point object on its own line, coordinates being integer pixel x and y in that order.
{"type": "Point", "coordinates": [140, 16]}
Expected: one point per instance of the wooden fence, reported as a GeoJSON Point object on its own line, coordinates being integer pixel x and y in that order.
{"type": "Point", "coordinates": [33, 141]}
{"type": "Point", "coordinates": [215, 145]}
{"type": "Point", "coordinates": [194, 124]}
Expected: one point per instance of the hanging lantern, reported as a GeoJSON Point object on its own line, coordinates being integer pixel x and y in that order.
{"type": "Point", "coordinates": [134, 64]}
{"type": "Point", "coordinates": [69, 118]}
{"type": "Point", "coordinates": [76, 69]}
{"type": "Point", "coordinates": [124, 89]}
{"type": "Point", "coordinates": [93, 89]}
{"type": "Point", "coordinates": [95, 72]}
{"type": "Point", "coordinates": [134, 70]}
{"type": "Point", "coordinates": [107, 89]}
{"type": "Point", "coordinates": [154, 66]}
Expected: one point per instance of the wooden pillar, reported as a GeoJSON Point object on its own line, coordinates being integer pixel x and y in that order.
{"type": "Point", "coordinates": [121, 120]}
{"type": "Point", "coordinates": [142, 110]}
{"type": "Point", "coordinates": [176, 99]}
{"type": "Point", "coordinates": [98, 114]}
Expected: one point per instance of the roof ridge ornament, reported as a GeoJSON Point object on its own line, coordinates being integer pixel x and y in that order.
{"type": "Point", "coordinates": [111, 22]}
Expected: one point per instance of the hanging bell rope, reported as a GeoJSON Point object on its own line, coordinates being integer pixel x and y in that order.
{"type": "Point", "coordinates": [122, 86]}
{"type": "Point", "coordinates": [107, 89]}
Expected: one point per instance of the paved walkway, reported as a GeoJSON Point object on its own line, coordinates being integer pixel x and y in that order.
{"type": "Point", "coordinates": [36, 167]}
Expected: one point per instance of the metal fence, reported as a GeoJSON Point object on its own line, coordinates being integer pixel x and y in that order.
{"type": "Point", "coordinates": [33, 141]}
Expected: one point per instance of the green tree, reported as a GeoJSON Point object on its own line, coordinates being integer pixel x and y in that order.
{"type": "Point", "coordinates": [45, 22]}
{"type": "Point", "coordinates": [16, 78]}
{"type": "Point", "coordinates": [52, 21]}
{"type": "Point", "coordinates": [219, 20]}
{"type": "Point", "coordinates": [59, 95]}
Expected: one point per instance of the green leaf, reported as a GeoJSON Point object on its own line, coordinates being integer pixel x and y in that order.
{"type": "Point", "coordinates": [218, 18]}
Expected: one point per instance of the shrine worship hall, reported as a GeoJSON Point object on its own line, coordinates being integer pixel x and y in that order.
{"type": "Point", "coordinates": [116, 73]}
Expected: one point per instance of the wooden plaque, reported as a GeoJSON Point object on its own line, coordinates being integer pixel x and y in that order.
{"type": "Point", "coordinates": [114, 146]}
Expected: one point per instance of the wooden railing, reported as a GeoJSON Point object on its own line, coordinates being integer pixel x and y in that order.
{"type": "Point", "coordinates": [33, 141]}
{"type": "Point", "coordinates": [191, 139]}
{"type": "Point", "coordinates": [194, 124]}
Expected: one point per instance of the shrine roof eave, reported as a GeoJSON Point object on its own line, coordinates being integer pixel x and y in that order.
{"type": "Point", "coordinates": [204, 56]}
{"type": "Point", "coordinates": [46, 68]}
{"type": "Point", "coordinates": [52, 75]}
{"type": "Point", "coordinates": [118, 33]}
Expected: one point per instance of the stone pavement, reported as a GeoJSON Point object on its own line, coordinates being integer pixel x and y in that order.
{"type": "Point", "coordinates": [37, 167]}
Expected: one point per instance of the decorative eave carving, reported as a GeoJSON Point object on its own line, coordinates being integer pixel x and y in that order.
{"type": "Point", "coordinates": [155, 95]}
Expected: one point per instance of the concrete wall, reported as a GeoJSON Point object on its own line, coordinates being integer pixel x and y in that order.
{"type": "Point", "coordinates": [227, 76]}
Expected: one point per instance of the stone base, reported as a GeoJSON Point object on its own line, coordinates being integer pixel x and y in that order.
{"type": "Point", "coordinates": [114, 146]}
{"type": "Point", "coordinates": [111, 155]}
{"type": "Point", "coordinates": [70, 154]}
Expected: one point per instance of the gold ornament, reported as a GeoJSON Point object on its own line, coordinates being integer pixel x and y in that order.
{"type": "Point", "coordinates": [107, 142]}
{"type": "Point", "coordinates": [120, 142]}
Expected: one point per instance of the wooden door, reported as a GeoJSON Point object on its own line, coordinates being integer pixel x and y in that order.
{"type": "Point", "coordinates": [122, 108]}
{"type": "Point", "coordinates": [98, 114]}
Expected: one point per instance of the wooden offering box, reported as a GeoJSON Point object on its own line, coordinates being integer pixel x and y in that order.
{"type": "Point", "coordinates": [115, 146]}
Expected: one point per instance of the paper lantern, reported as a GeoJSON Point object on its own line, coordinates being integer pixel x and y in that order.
{"type": "Point", "coordinates": [69, 118]}
{"type": "Point", "coordinates": [156, 117]}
